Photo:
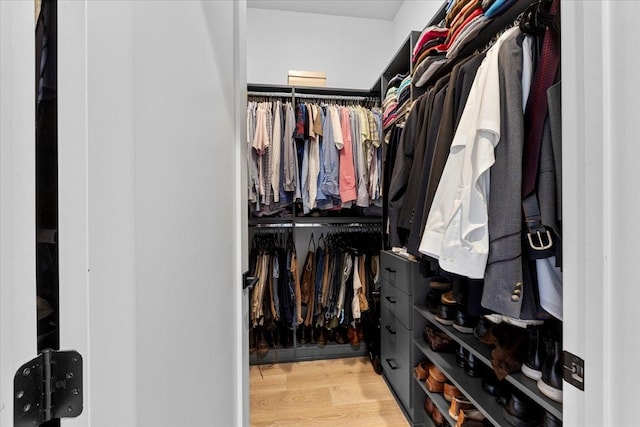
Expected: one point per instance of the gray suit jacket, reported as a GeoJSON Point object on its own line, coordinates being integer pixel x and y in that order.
{"type": "Point", "coordinates": [504, 266]}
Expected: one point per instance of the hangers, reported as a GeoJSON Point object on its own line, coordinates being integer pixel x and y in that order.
{"type": "Point", "coordinates": [537, 17]}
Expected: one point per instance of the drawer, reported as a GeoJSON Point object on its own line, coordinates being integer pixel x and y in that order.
{"type": "Point", "coordinates": [397, 271]}
{"type": "Point", "coordinates": [397, 302]}
{"type": "Point", "coordinates": [396, 338]}
{"type": "Point", "coordinates": [398, 372]}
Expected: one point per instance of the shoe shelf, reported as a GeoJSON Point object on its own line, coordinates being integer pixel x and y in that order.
{"type": "Point", "coordinates": [470, 386]}
{"type": "Point", "coordinates": [439, 401]}
{"type": "Point", "coordinates": [483, 352]}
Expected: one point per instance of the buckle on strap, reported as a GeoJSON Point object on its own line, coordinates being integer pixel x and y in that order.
{"type": "Point", "coordinates": [539, 245]}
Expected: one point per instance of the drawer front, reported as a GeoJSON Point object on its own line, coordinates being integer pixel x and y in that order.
{"type": "Point", "coordinates": [397, 302]}
{"type": "Point", "coordinates": [398, 372]}
{"type": "Point", "coordinates": [404, 308]}
{"type": "Point", "coordinates": [397, 271]}
{"type": "Point", "coordinates": [388, 335]}
{"type": "Point", "coordinates": [388, 294]}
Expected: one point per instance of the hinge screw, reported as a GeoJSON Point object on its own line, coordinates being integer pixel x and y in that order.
{"type": "Point", "coordinates": [75, 391]}
{"type": "Point", "coordinates": [70, 408]}
{"type": "Point", "coordinates": [26, 407]}
{"type": "Point", "coordinates": [26, 372]}
{"type": "Point", "coordinates": [69, 375]}
{"type": "Point", "coordinates": [20, 394]}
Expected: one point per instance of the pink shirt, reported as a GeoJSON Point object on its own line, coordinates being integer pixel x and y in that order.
{"type": "Point", "coordinates": [347, 181]}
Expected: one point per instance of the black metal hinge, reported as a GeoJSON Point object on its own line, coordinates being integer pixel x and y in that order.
{"type": "Point", "coordinates": [48, 387]}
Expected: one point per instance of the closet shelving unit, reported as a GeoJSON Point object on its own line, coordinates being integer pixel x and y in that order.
{"type": "Point", "coordinates": [410, 392]}
{"type": "Point", "coordinates": [483, 352]}
{"type": "Point", "coordinates": [302, 227]}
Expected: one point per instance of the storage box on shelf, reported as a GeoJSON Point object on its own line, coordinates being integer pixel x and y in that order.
{"type": "Point", "coordinates": [400, 285]}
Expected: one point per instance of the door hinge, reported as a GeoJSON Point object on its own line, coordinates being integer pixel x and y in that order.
{"type": "Point", "coordinates": [48, 387]}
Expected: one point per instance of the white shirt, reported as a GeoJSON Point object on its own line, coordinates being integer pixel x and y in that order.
{"type": "Point", "coordinates": [456, 232]}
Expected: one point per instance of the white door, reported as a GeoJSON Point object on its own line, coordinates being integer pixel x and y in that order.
{"type": "Point", "coordinates": [151, 219]}
{"type": "Point", "coordinates": [17, 197]}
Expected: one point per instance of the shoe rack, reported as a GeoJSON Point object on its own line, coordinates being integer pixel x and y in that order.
{"type": "Point", "coordinates": [470, 386]}
{"type": "Point", "coordinates": [404, 316]}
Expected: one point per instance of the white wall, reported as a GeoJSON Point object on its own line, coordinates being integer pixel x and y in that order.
{"type": "Point", "coordinates": [352, 51]}
{"type": "Point", "coordinates": [413, 15]}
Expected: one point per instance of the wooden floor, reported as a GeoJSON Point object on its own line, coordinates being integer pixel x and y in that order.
{"type": "Point", "coordinates": [340, 392]}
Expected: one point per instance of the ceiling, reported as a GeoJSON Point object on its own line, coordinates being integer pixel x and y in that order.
{"type": "Point", "coordinates": [373, 9]}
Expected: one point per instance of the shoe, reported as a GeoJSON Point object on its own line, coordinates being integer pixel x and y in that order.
{"type": "Point", "coordinates": [321, 339]}
{"type": "Point", "coordinates": [461, 356]}
{"type": "Point", "coordinates": [252, 340]}
{"type": "Point", "coordinates": [459, 404]}
{"type": "Point", "coordinates": [503, 394]}
{"type": "Point", "coordinates": [428, 405]}
{"type": "Point", "coordinates": [352, 336]}
{"type": "Point", "coordinates": [470, 418]}
{"type": "Point", "coordinates": [437, 340]}
{"type": "Point", "coordinates": [449, 298]}
{"type": "Point", "coordinates": [451, 391]}
{"type": "Point", "coordinates": [490, 383]}
{"type": "Point", "coordinates": [434, 386]}
{"type": "Point", "coordinates": [421, 371]}
{"type": "Point", "coordinates": [262, 346]}
{"type": "Point", "coordinates": [484, 331]}
{"type": "Point", "coordinates": [437, 375]}
{"type": "Point", "coordinates": [446, 312]}
{"type": "Point", "coordinates": [510, 350]}
{"type": "Point", "coordinates": [434, 294]}
{"type": "Point", "coordinates": [550, 420]}
{"type": "Point", "coordinates": [464, 322]}
{"type": "Point", "coordinates": [437, 417]}
{"type": "Point", "coordinates": [520, 323]}
{"type": "Point", "coordinates": [536, 355]}
{"type": "Point", "coordinates": [339, 336]}
{"type": "Point", "coordinates": [521, 412]}
{"type": "Point", "coordinates": [550, 383]}
{"type": "Point", "coordinates": [473, 367]}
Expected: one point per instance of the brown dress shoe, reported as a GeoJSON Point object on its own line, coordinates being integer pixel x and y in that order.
{"type": "Point", "coordinates": [437, 417]}
{"type": "Point", "coordinates": [437, 374]}
{"type": "Point", "coordinates": [434, 386]}
{"type": "Point", "coordinates": [459, 404]}
{"type": "Point", "coordinates": [429, 406]}
{"type": "Point", "coordinates": [450, 391]}
{"type": "Point", "coordinates": [421, 371]}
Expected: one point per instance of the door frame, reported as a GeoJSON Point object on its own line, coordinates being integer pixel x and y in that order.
{"type": "Point", "coordinates": [18, 333]}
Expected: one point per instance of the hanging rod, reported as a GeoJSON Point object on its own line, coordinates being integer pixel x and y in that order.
{"type": "Point", "coordinates": [274, 225]}
{"type": "Point", "coordinates": [337, 225]}
{"type": "Point", "coordinates": [337, 97]}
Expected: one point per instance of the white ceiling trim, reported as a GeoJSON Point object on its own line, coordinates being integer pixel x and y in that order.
{"type": "Point", "coordinates": [370, 9]}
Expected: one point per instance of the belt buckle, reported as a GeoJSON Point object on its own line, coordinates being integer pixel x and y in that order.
{"type": "Point", "coordinates": [541, 246]}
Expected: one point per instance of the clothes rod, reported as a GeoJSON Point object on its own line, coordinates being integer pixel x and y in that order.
{"type": "Point", "coordinates": [337, 97]}
{"type": "Point", "coordinates": [274, 225]}
{"type": "Point", "coordinates": [337, 225]}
